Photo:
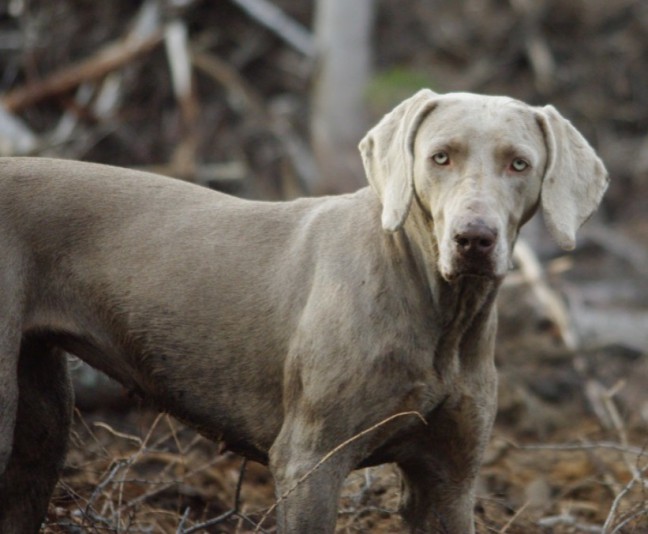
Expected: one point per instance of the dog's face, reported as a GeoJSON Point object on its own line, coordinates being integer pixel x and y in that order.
{"type": "Point", "coordinates": [479, 166]}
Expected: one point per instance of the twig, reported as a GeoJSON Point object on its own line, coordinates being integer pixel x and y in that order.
{"type": "Point", "coordinates": [617, 422]}
{"type": "Point", "coordinates": [637, 477]}
{"type": "Point", "coordinates": [136, 440]}
{"type": "Point", "coordinates": [235, 510]}
{"type": "Point", "coordinates": [631, 517]}
{"type": "Point", "coordinates": [568, 447]}
{"type": "Point", "coordinates": [131, 461]}
{"type": "Point", "coordinates": [164, 486]}
{"type": "Point", "coordinates": [328, 455]}
{"type": "Point", "coordinates": [106, 480]}
{"type": "Point", "coordinates": [214, 521]}
{"type": "Point", "coordinates": [183, 519]}
{"type": "Point", "coordinates": [514, 518]}
{"type": "Point", "coordinates": [281, 24]}
{"type": "Point", "coordinates": [609, 520]}
{"type": "Point", "coordinates": [89, 430]}
{"type": "Point", "coordinates": [555, 520]}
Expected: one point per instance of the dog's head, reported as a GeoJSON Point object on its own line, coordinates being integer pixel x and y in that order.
{"type": "Point", "coordinates": [479, 166]}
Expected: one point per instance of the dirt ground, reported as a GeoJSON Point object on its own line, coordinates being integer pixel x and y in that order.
{"type": "Point", "coordinates": [575, 479]}
{"type": "Point", "coordinates": [568, 453]}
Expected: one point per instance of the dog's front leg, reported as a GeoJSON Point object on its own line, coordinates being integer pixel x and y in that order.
{"type": "Point", "coordinates": [441, 466]}
{"type": "Point", "coordinates": [431, 503]}
{"type": "Point", "coordinates": [307, 488]}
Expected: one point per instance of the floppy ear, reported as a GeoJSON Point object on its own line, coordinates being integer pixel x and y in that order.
{"type": "Point", "coordinates": [388, 156]}
{"type": "Point", "coordinates": [575, 178]}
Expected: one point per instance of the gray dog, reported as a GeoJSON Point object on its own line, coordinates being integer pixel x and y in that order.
{"type": "Point", "coordinates": [284, 329]}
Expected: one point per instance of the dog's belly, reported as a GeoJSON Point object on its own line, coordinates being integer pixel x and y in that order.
{"type": "Point", "coordinates": [220, 405]}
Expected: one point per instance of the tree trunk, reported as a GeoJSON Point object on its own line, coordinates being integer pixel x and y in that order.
{"type": "Point", "coordinates": [338, 119]}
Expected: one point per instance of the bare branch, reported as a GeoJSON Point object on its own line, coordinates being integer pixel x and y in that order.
{"type": "Point", "coordinates": [548, 298]}
{"type": "Point", "coordinates": [224, 516]}
{"type": "Point", "coordinates": [281, 24]}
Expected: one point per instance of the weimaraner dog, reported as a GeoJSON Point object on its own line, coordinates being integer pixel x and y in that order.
{"type": "Point", "coordinates": [286, 329]}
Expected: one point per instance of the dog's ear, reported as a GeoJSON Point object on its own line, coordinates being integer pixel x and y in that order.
{"type": "Point", "coordinates": [574, 181]}
{"type": "Point", "coordinates": [388, 156]}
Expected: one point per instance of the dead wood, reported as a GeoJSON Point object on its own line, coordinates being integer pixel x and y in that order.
{"type": "Point", "coordinates": [144, 36]}
{"type": "Point", "coordinates": [276, 20]}
{"type": "Point", "coordinates": [106, 60]}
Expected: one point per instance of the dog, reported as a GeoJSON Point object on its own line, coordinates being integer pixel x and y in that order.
{"type": "Point", "coordinates": [286, 329]}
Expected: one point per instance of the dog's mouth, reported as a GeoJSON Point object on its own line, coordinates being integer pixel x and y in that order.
{"type": "Point", "coordinates": [481, 267]}
{"type": "Point", "coordinates": [484, 269]}
{"type": "Point", "coordinates": [457, 276]}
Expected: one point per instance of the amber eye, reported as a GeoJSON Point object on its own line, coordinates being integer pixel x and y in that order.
{"type": "Point", "coordinates": [519, 165]}
{"type": "Point", "coordinates": [441, 158]}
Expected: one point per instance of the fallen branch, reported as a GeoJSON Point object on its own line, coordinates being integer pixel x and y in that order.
{"type": "Point", "coordinates": [281, 24]}
{"type": "Point", "coordinates": [533, 274]}
{"type": "Point", "coordinates": [142, 39]}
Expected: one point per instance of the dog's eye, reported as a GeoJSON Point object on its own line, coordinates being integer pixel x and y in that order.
{"type": "Point", "coordinates": [441, 158]}
{"type": "Point", "coordinates": [519, 165]}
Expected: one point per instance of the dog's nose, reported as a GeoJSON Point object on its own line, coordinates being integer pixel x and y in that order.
{"type": "Point", "coordinates": [476, 240]}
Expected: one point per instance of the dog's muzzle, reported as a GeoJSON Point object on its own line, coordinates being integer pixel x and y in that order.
{"type": "Point", "coordinates": [474, 247]}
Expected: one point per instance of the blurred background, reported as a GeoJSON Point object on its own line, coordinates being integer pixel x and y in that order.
{"type": "Point", "coordinates": [268, 99]}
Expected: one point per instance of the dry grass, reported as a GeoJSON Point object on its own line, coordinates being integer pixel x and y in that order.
{"type": "Point", "coordinates": [153, 475]}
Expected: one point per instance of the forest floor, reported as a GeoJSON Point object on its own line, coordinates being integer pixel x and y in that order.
{"type": "Point", "coordinates": [551, 467]}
